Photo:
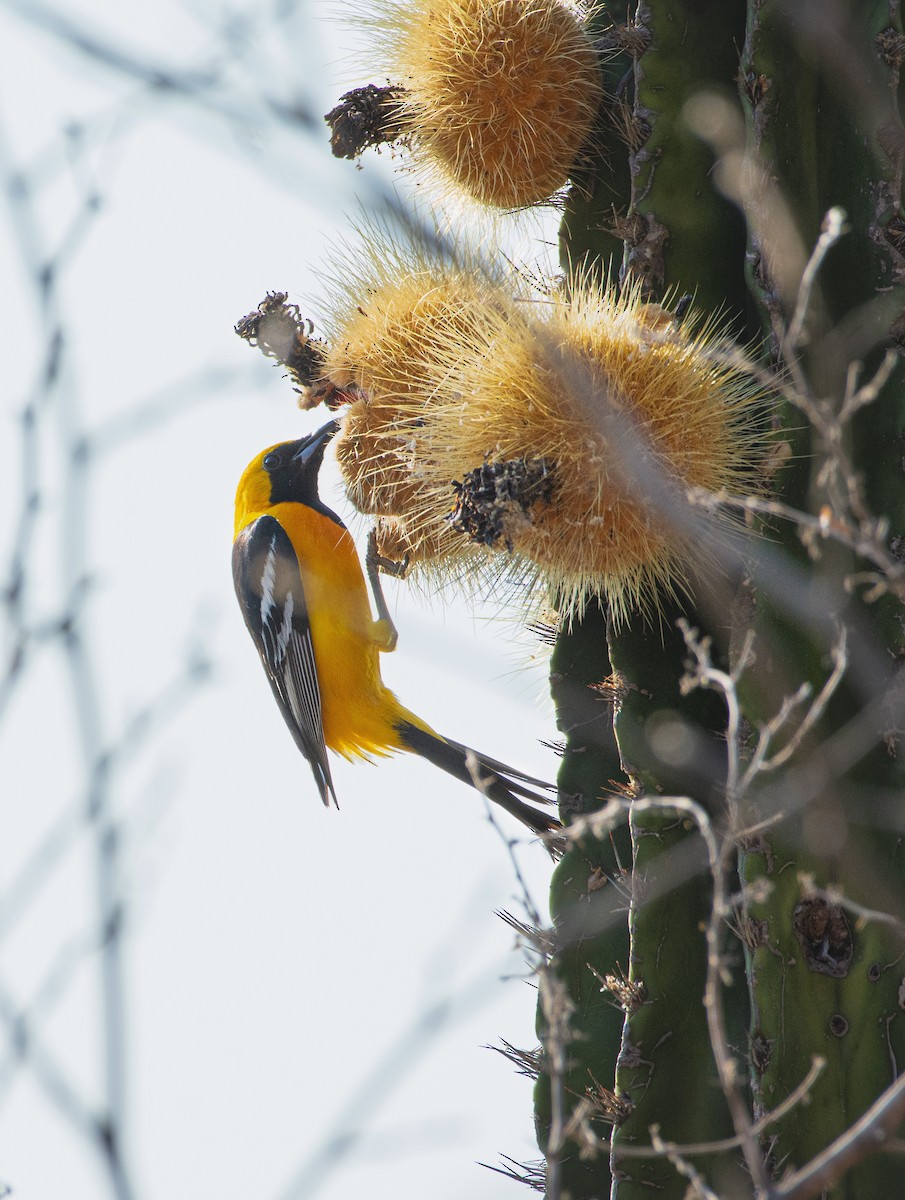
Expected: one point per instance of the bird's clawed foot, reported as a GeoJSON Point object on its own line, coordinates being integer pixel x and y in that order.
{"type": "Point", "coordinates": [385, 635]}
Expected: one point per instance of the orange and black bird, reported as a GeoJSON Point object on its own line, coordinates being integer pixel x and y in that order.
{"type": "Point", "coordinates": [303, 594]}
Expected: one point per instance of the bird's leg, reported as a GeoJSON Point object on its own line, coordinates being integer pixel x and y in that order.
{"type": "Point", "coordinates": [385, 635]}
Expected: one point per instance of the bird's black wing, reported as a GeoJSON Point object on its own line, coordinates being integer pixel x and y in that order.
{"type": "Point", "coordinates": [269, 587]}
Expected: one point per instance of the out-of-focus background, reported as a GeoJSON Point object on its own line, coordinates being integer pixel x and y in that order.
{"type": "Point", "coordinates": [210, 986]}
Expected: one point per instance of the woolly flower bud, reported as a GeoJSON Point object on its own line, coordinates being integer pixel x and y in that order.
{"type": "Point", "coordinates": [389, 323]}
{"type": "Point", "coordinates": [552, 439]}
{"type": "Point", "coordinates": [499, 95]}
{"type": "Point", "coordinates": [590, 420]}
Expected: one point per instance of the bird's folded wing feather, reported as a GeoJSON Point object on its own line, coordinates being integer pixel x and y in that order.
{"type": "Point", "coordinates": [269, 587]}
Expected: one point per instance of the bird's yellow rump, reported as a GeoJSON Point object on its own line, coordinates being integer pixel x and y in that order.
{"type": "Point", "coordinates": [305, 601]}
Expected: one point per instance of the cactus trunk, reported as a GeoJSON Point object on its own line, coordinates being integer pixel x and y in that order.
{"type": "Point", "coordinates": [806, 812]}
{"type": "Point", "coordinates": [823, 121]}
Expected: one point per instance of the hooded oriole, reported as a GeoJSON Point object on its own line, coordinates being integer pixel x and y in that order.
{"type": "Point", "coordinates": [305, 601]}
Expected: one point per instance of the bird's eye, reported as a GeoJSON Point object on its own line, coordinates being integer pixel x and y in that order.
{"type": "Point", "coordinates": [271, 460]}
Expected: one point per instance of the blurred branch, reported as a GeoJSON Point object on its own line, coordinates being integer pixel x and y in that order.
{"type": "Point", "coordinates": [207, 85]}
{"type": "Point", "coordinates": [23, 1022]}
{"type": "Point", "coordinates": [395, 1064]}
{"type": "Point", "coordinates": [157, 714]}
{"type": "Point", "coordinates": [118, 58]}
{"type": "Point", "coordinates": [867, 1135]}
{"type": "Point", "coordinates": [53, 412]}
{"type": "Point", "coordinates": [178, 398]}
{"type": "Point", "coordinates": [28, 1048]}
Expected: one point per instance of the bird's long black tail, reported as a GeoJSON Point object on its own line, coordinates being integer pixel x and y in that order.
{"type": "Point", "coordinates": [504, 785]}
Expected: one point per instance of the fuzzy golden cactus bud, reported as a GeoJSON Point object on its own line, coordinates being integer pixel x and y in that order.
{"type": "Point", "coordinates": [497, 97]}
{"type": "Point", "coordinates": [597, 414]}
{"type": "Point", "coordinates": [554, 438]}
{"type": "Point", "coordinates": [389, 323]}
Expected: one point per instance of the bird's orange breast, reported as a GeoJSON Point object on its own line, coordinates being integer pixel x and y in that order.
{"type": "Point", "coordinates": [359, 714]}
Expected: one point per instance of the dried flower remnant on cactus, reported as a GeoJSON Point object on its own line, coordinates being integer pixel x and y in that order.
{"type": "Point", "coordinates": [365, 116]}
{"type": "Point", "coordinates": [280, 332]}
{"type": "Point", "coordinates": [494, 499]}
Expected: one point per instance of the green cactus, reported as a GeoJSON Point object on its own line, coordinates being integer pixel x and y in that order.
{"type": "Point", "coordinates": [839, 968]}
{"type": "Point", "coordinates": [813, 961]}
{"type": "Point", "coordinates": [586, 901]}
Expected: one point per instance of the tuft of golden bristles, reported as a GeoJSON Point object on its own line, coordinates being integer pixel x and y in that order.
{"type": "Point", "coordinates": [549, 437]}
{"type": "Point", "coordinates": [499, 96]}
{"type": "Point", "coordinates": [628, 410]}
{"type": "Point", "coordinates": [392, 317]}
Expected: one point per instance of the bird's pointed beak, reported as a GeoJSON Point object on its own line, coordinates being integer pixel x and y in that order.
{"type": "Point", "coordinates": [315, 443]}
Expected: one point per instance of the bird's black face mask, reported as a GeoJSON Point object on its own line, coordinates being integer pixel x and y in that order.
{"type": "Point", "coordinates": [293, 468]}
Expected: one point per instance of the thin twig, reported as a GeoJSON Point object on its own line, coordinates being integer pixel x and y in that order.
{"type": "Point", "coordinates": [817, 708]}
{"type": "Point", "coordinates": [699, 1189]}
{"type": "Point", "coordinates": [866, 1136]}
{"type": "Point", "coordinates": [831, 231]}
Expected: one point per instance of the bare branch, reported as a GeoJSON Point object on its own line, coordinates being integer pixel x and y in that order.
{"type": "Point", "coordinates": [870, 1133]}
